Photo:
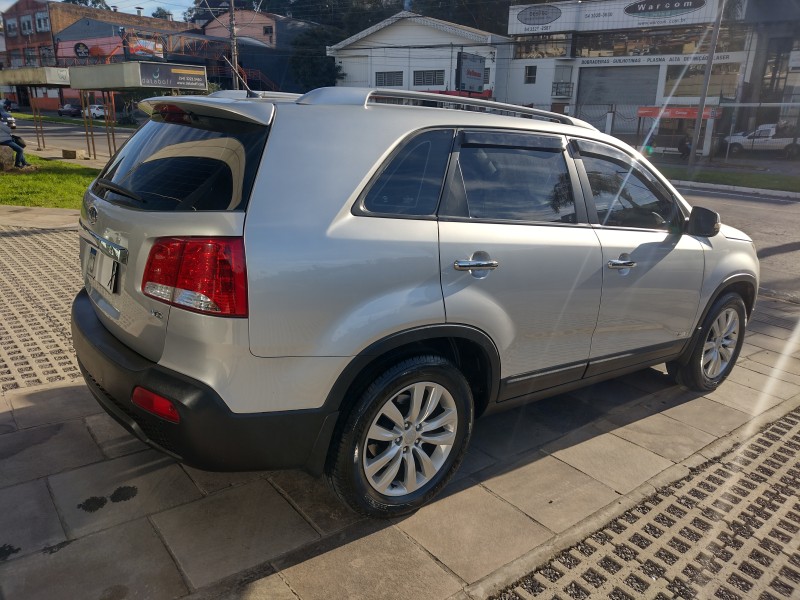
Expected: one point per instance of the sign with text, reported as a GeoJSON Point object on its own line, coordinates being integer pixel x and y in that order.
{"type": "Point", "coordinates": [684, 59]}
{"type": "Point", "coordinates": [676, 112]}
{"type": "Point", "coordinates": [559, 17]}
{"type": "Point", "coordinates": [165, 75]}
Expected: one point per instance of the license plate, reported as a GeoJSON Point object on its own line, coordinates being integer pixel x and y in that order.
{"type": "Point", "coordinates": [102, 269]}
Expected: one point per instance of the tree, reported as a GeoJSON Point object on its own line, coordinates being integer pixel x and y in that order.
{"type": "Point", "coordinates": [161, 13]}
{"type": "Point", "coordinates": [90, 3]}
{"type": "Point", "coordinates": [310, 66]}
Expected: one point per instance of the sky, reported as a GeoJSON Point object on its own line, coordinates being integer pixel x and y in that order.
{"type": "Point", "coordinates": [176, 7]}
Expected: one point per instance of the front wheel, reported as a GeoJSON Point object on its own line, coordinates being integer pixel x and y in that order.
{"type": "Point", "coordinates": [715, 347]}
{"type": "Point", "coordinates": [404, 438]}
{"type": "Point", "coordinates": [736, 149]}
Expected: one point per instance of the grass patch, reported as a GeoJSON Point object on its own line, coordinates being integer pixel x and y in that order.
{"type": "Point", "coordinates": [52, 184]}
{"type": "Point", "coordinates": [764, 181]}
{"type": "Point", "coordinates": [68, 120]}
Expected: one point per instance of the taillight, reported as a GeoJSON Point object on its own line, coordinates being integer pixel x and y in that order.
{"type": "Point", "coordinates": [155, 404]}
{"type": "Point", "coordinates": [205, 275]}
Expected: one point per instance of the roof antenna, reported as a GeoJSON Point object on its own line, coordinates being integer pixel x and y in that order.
{"type": "Point", "coordinates": [250, 93]}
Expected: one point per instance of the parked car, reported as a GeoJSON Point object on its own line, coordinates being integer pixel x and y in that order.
{"type": "Point", "coordinates": [70, 110]}
{"type": "Point", "coordinates": [773, 137]}
{"type": "Point", "coordinates": [349, 297]}
{"type": "Point", "coordinates": [95, 111]}
{"type": "Point", "coordinates": [8, 119]}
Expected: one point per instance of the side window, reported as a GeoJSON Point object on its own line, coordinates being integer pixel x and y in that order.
{"type": "Point", "coordinates": [626, 197]}
{"type": "Point", "coordinates": [411, 182]}
{"type": "Point", "coordinates": [517, 184]}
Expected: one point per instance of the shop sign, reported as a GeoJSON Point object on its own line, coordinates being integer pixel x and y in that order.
{"type": "Point", "coordinates": [469, 74]}
{"type": "Point", "coordinates": [576, 16]}
{"type": "Point", "coordinates": [676, 112]}
{"type": "Point", "coordinates": [606, 61]}
{"type": "Point", "coordinates": [164, 75]}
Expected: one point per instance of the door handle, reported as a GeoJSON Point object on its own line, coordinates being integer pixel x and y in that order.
{"type": "Point", "coordinates": [621, 264]}
{"type": "Point", "coordinates": [475, 265]}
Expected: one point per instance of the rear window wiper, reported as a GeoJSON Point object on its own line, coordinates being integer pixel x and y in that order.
{"type": "Point", "coordinates": [118, 189]}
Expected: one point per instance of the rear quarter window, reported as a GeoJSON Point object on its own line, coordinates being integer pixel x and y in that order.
{"type": "Point", "coordinates": [191, 163]}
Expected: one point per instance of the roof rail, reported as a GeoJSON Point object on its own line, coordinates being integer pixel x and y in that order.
{"type": "Point", "coordinates": [264, 95]}
{"type": "Point", "coordinates": [365, 96]}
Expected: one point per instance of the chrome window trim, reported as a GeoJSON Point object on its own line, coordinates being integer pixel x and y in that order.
{"type": "Point", "coordinates": [107, 247]}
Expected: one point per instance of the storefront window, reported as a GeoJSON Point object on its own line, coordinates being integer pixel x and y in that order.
{"type": "Point", "coordinates": [542, 46]}
{"type": "Point", "coordinates": [688, 40]}
{"type": "Point", "coordinates": [688, 80]}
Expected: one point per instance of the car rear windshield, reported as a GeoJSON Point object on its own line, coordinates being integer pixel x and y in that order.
{"type": "Point", "coordinates": [185, 162]}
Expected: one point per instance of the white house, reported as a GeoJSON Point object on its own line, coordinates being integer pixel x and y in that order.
{"type": "Point", "coordinates": [412, 52]}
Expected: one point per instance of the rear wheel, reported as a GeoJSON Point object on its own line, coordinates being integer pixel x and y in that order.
{"type": "Point", "coordinates": [736, 149]}
{"type": "Point", "coordinates": [715, 347]}
{"type": "Point", "coordinates": [404, 438]}
{"type": "Point", "coordinates": [792, 151]}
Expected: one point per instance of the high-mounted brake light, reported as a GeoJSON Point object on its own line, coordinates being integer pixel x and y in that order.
{"type": "Point", "coordinates": [155, 404]}
{"type": "Point", "coordinates": [172, 113]}
{"type": "Point", "coordinates": [205, 275]}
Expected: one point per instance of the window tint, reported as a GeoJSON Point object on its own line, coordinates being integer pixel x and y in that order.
{"type": "Point", "coordinates": [625, 197]}
{"type": "Point", "coordinates": [412, 181]}
{"type": "Point", "coordinates": [200, 164]}
{"type": "Point", "coordinates": [517, 184]}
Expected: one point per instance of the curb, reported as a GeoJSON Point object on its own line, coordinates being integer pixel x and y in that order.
{"type": "Point", "coordinates": [735, 188]}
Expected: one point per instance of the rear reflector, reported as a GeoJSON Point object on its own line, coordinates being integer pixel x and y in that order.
{"type": "Point", "coordinates": [155, 404]}
{"type": "Point", "coordinates": [205, 275]}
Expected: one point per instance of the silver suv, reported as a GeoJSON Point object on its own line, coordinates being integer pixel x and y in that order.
{"type": "Point", "coordinates": [342, 281]}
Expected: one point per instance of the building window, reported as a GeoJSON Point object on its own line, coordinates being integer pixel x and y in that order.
{"type": "Point", "coordinates": [486, 74]}
{"type": "Point", "coordinates": [48, 57]}
{"type": "Point", "coordinates": [268, 30]}
{"type": "Point", "coordinates": [26, 24]}
{"type": "Point", "coordinates": [42, 21]}
{"type": "Point", "coordinates": [31, 57]}
{"type": "Point", "coordinates": [11, 27]}
{"type": "Point", "coordinates": [530, 74]}
{"type": "Point", "coordinates": [428, 77]}
{"type": "Point", "coordinates": [388, 78]}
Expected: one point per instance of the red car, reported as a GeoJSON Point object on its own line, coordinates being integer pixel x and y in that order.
{"type": "Point", "coordinates": [69, 110]}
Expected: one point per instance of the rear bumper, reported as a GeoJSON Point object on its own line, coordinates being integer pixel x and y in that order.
{"type": "Point", "coordinates": [209, 436]}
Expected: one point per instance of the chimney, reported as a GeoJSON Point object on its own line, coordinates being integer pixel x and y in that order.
{"type": "Point", "coordinates": [139, 10]}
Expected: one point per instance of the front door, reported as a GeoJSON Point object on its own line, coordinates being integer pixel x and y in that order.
{"type": "Point", "coordinates": [652, 273]}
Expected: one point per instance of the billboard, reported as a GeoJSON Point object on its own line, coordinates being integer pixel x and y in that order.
{"type": "Point", "coordinates": [559, 17]}
{"type": "Point", "coordinates": [164, 75]}
{"type": "Point", "coordinates": [469, 72]}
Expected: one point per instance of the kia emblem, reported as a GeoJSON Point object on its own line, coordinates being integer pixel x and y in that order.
{"type": "Point", "coordinates": [92, 214]}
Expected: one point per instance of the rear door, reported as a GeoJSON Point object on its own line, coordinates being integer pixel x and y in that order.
{"type": "Point", "coordinates": [186, 172]}
{"type": "Point", "coordinates": [652, 274]}
{"type": "Point", "coordinates": [518, 258]}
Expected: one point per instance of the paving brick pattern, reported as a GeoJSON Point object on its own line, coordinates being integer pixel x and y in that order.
{"type": "Point", "coordinates": [730, 530]}
{"type": "Point", "coordinates": [39, 277]}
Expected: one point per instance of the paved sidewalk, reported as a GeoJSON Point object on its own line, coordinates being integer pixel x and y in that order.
{"type": "Point", "coordinates": [87, 511]}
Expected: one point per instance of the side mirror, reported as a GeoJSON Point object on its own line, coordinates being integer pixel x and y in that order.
{"type": "Point", "coordinates": [703, 222]}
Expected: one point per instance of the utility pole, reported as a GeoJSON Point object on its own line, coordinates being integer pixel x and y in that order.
{"type": "Point", "coordinates": [706, 80]}
{"type": "Point", "coordinates": [234, 47]}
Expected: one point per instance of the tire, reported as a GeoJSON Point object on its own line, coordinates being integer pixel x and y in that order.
{"type": "Point", "coordinates": [418, 414]}
{"type": "Point", "coordinates": [791, 151]}
{"type": "Point", "coordinates": [736, 149]}
{"type": "Point", "coordinates": [714, 348]}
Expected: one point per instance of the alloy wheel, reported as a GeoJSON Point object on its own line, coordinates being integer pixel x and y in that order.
{"type": "Point", "coordinates": [720, 343]}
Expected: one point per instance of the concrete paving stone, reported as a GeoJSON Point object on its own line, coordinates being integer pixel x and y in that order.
{"type": "Point", "coordinates": [757, 326]}
{"type": "Point", "coordinates": [211, 482]}
{"type": "Point", "coordinates": [28, 520]}
{"type": "Point", "coordinates": [762, 383]}
{"type": "Point", "coordinates": [42, 405]}
{"type": "Point", "coordinates": [7, 423]}
{"type": "Point", "coordinates": [128, 561]}
{"type": "Point", "coordinates": [114, 440]}
{"type": "Point", "coordinates": [649, 380]}
{"type": "Point", "coordinates": [551, 491]}
{"type": "Point", "coordinates": [782, 362]}
{"type": "Point", "coordinates": [271, 587]}
{"type": "Point", "coordinates": [610, 396]}
{"type": "Point", "coordinates": [372, 561]}
{"type": "Point", "coordinates": [565, 414]}
{"type": "Point", "coordinates": [663, 435]}
{"type": "Point", "coordinates": [99, 496]}
{"type": "Point", "coordinates": [232, 530]}
{"type": "Point", "coordinates": [509, 433]}
{"type": "Point", "coordinates": [40, 451]}
{"type": "Point", "coordinates": [707, 415]}
{"type": "Point", "coordinates": [613, 461]}
{"type": "Point", "coordinates": [313, 497]}
{"type": "Point", "coordinates": [474, 462]}
{"type": "Point", "coordinates": [771, 371]}
{"type": "Point", "coordinates": [748, 350]}
{"type": "Point", "coordinates": [746, 399]}
{"type": "Point", "coordinates": [470, 517]}
{"type": "Point", "coordinates": [768, 342]}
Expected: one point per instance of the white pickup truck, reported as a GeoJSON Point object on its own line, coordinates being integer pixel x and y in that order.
{"type": "Point", "coordinates": [767, 137]}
